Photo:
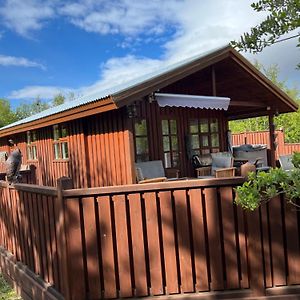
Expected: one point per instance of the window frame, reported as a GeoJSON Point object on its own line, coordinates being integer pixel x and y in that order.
{"type": "Point", "coordinates": [170, 135]}
{"type": "Point", "coordinates": [141, 136]}
{"type": "Point", "coordinates": [31, 143]}
{"type": "Point", "coordinates": [201, 150]}
{"type": "Point", "coordinates": [62, 139]}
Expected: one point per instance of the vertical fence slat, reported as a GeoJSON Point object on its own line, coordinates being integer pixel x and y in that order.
{"type": "Point", "coordinates": [107, 248]}
{"type": "Point", "coordinates": [168, 236]}
{"type": "Point", "coordinates": [14, 199]}
{"type": "Point", "coordinates": [199, 242]}
{"type": "Point", "coordinates": [47, 240]}
{"type": "Point", "coordinates": [276, 227]}
{"type": "Point", "coordinates": [183, 235]}
{"type": "Point", "coordinates": [51, 201]}
{"type": "Point", "coordinates": [155, 266]}
{"type": "Point", "coordinates": [28, 231]}
{"type": "Point", "coordinates": [232, 275]}
{"type": "Point", "coordinates": [21, 225]}
{"type": "Point", "coordinates": [42, 239]}
{"type": "Point", "coordinates": [91, 247]}
{"type": "Point", "coordinates": [75, 251]}
{"type": "Point", "coordinates": [214, 239]}
{"type": "Point", "coordinates": [124, 267]}
{"type": "Point", "coordinates": [244, 274]}
{"type": "Point", "coordinates": [266, 245]}
{"type": "Point", "coordinates": [292, 240]}
{"type": "Point", "coordinates": [139, 258]}
{"type": "Point", "coordinates": [255, 254]}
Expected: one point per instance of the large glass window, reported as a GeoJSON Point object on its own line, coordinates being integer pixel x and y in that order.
{"type": "Point", "coordinates": [204, 135]}
{"type": "Point", "coordinates": [60, 142]}
{"type": "Point", "coordinates": [31, 145]}
{"type": "Point", "coordinates": [170, 143]}
{"type": "Point", "coordinates": [141, 140]}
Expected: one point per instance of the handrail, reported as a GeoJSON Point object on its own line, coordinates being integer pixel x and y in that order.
{"type": "Point", "coordinates": [31, 188]}
{"type": "Point", "coordinates": [154, 187]}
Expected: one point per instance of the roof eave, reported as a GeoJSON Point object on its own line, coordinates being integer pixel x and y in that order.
{"type": "Point", "coordinates": [105, 104]}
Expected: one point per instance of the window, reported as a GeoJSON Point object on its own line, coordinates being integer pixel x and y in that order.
{"type": "Point", "coordinates": [31, 145]}
{"type": "Point", "coordinates": [170, 143]}
{"type": "Point", "coordinates": [60, 143]}
{"type": "Point", "coordinates": [204, 135]}
{"type": "Point", "coordinates": [141, 141]}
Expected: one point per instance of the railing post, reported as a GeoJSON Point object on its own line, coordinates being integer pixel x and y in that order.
{"type": "Point", "coordinates": [63, 183]}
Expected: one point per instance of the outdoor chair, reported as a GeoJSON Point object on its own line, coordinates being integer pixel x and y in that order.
{"type": "Point", "coordinates": [285, 162]}
{"type": "Point", "coordinates": [151, 171]}
{"type": "Point", "coordinates": [217, 165]}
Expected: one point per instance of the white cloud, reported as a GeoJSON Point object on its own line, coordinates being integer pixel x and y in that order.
{"type": "Point", "coordinates": [197, 26]}
{"type": "Point", "coordinates": [115, 71]}
{"type": "Point", "coordinates": [122, 16]}
{"type": "Point", "coordinates": [25, 16]}
{"type": "Point", "coordinates": [286, 56]}
{"type": "Point", "coordinates": [19, 62]}
{"type": "Point", "coordinates": [44, 92]}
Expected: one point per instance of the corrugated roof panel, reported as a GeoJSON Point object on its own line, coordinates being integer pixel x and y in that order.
{"type": "Point", "coordinates": [114, 90]}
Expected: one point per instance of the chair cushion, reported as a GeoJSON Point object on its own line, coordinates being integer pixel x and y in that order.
{"type": "Point", "coordinates": [286, 162]}
{"type": "Point", "coordinates": [221, 160]}
{"type": "Point", "coordinates": [150, 169]}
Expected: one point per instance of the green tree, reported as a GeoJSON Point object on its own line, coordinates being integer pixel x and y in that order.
{"type": "Point", "coordinates": [283, 17]}
{"type": "Point", "coordinates": [58, 100]}
{"type": "Point", "coordinates": [25, 110]}
{"type": "Point", "coordinates": [289, 122]}
{"type": "Point", "coordinates": [6, 113]}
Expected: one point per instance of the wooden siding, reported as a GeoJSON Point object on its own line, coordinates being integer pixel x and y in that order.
{"type": "Point", "coordinates": [169, 238]}
{"type": "Point", "coordinates": [98, 152]}
{"type": "Point", "coordinates": [101, 146]}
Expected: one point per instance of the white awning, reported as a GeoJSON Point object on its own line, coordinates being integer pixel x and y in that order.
{"type": "Point", "coordinates": [179, 100]}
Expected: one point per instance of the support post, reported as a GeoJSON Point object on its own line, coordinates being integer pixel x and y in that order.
{"type": "Point", "coordinates": [213, 79]}
{"type": "Point", "coordinates": [272, 140]}
{"type": "Point", "coordinates": [63, 183]}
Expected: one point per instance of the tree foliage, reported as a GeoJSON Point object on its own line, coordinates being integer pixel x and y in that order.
{"type": "Point", "coordinates": [283, 17]}
{"type": "Point", "coordinates": [58, 100]}
{"type": "Point", "coordinates": [289, 122]}
{"type": "Point", "coordinates": [24, 110]}
{"type": "Point", "coordinates": [6, 113]}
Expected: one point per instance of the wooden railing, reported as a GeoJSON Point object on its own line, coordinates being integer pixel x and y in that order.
{"type": "Point", "coordinates": [149, 240]}
{"type": "Point", "coordinates": [30, 229]}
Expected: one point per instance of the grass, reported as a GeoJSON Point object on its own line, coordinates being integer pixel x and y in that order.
{"type": "Point", "coordinates": [6, 292]}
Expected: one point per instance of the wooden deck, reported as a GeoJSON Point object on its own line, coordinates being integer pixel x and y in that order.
{"type": "Point", "coordinates": [167, 240]}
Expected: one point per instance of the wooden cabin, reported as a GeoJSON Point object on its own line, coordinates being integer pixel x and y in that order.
{"type": "Point", "coordinates": [97, 139]}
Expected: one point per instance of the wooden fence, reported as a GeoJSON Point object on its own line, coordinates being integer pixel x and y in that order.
{"type": "Point", "coordinates": [182, 237]}
{"type": "Point", "coordinates": [262, 137]}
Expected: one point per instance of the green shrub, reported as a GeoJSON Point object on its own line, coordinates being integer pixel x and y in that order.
{"type": "Point", "coordinates": [263, 186]}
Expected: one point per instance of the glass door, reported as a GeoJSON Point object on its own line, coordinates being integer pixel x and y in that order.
{"type": "Point", "coordinates": [170, 144]}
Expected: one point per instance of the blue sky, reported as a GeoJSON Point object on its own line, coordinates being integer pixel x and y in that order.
{"type": "Point", "coordinates": [51, 47]}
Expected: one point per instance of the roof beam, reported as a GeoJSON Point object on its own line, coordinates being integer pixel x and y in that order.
{"type": "Point", "coordinates": [247, 104]}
